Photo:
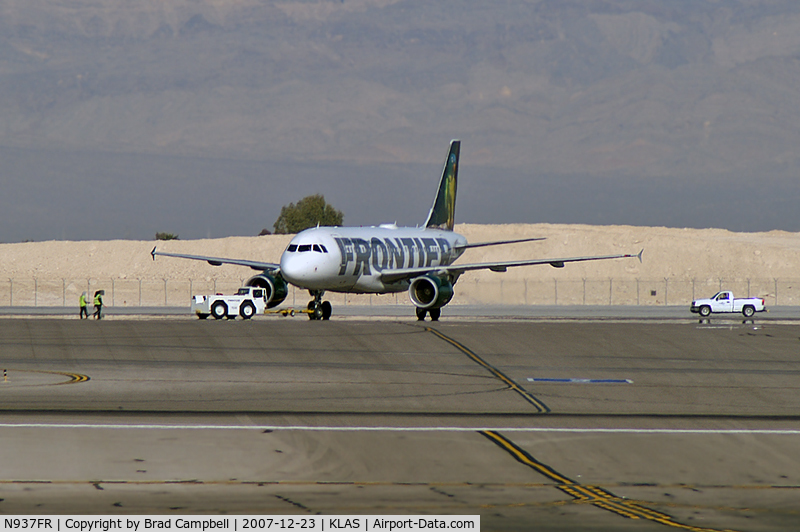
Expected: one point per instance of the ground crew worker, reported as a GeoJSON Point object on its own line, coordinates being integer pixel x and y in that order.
{"type": "Point", "coordinates": [98, 305]}
{"type": "Point", "coordinates": [82, 302]}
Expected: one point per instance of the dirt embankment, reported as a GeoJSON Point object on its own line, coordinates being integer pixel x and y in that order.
{"type": "Point", "coordinates": [682, 257]}
{"type": "Point", "coordinates": [668, 253]}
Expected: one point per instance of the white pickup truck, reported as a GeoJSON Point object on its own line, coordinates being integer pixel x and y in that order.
{"type": "Point", "coordinates": [725, 302]}
{"type": "Point", "coordinates": [248, 301]}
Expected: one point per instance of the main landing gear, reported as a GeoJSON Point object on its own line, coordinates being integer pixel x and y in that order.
{"type": "Point", "coordinates": [434, 313]}
{"type": "Point", "coordinates": [319, 309]}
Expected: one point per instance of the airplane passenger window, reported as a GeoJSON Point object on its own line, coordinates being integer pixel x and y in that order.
{"type": "Point", "coordinates": [304, 247]}
{"type": "Point", "coordinates": [292, 248]}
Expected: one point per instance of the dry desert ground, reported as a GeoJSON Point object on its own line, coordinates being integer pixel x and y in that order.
{"type": "Point", "coordinates": [678, 264]}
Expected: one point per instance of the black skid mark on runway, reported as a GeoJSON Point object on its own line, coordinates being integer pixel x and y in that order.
{"type": "Point", "coordinates": [594, 495]}
{"type": "Point", "coordinates": [539, 405]}
{"type": "Point", "coordinates": [295, 503]}
{"type": "Point", "coordinates": [441, 492]}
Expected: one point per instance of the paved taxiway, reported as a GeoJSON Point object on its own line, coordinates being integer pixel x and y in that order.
{"type": "Point", "coordinates": [593, 312]}
{"type": "Point", "coordinates": [562, 425]}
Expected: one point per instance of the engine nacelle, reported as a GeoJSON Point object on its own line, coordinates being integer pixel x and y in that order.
{"type": "Point", "coordinates": [274, 285]}
{"type": "Point", "coordinates": [430, 292]}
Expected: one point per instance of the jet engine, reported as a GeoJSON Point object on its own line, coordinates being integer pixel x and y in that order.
{"type": "Point", "coordinates": [430, 292]}
{"type": "Point", "coordinates": [274, 285]}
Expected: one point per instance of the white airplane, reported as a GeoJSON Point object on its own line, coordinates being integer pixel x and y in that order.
{"type": "Point", "coordinates": [381, 260]}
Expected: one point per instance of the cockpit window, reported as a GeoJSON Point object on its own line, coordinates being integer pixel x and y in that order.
{"type": "Point", "coordinates": [319, 248]}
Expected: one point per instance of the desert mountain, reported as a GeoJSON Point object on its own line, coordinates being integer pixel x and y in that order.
{"type": "Point", "coordinates": [681, 113]}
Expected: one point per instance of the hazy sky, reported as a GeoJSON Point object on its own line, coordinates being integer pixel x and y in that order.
{"type": "Point", "coordinates": [78, 196]}
{"type": "Point", "coordinates": [204, 119]}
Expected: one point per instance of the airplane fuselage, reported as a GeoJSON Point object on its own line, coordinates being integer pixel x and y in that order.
{"type": "Point", "coordinates": [351, 259]}
{"type": "Point", "coordinates": [383, 259]}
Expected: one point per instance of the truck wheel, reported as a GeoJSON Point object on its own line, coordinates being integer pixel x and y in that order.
{"type": "Point", "coordinates": [247, 310]}
{"type": "Point", "coordinates": [327, 310]}
{"type": "Point", "coordinates": [202, 316]}
{"type": "Point", "coordinates": [705, 311]}
{"type": "Point", "coordinates": [748, 311]}
{"type": "Point", "coordinates": [219, 310]}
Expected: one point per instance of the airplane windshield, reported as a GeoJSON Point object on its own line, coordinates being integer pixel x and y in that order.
{"type": "Point", "coordinates": [319, 248]}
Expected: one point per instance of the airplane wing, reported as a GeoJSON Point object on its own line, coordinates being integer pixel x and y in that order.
{"type": "Point", "coordinates": [389, 276]}
{"type": "Point", "coordinates": [217, 261]}
{"type": "Point", "coordinates": [498, 243]}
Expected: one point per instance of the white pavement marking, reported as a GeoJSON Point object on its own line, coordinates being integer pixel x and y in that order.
{"type": "Point", "coordinates": [581, 381]}
{"type": "Point", "coordinates": [790, 432]}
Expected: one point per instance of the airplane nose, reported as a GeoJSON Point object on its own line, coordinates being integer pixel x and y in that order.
{"type": "Point", "coordinates": [290, 268]}
{"type": "Point", "coordinates": [301, 270]}
{"type": "Point", "coordinates": [315, 267]}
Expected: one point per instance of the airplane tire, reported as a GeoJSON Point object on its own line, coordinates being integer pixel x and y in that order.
{"type": "Point", "coordinates": [327, 310]}
{"type": "Point", "coordinates": [247, 310]}
{"type": "Point", "coordinates": [219, 310]}
{"type": "Point", "coordinates": [435, 313]}
{"type": "Point", "coordinates": [312, 314]}
{"type": "Point", "coordinates": [421, 314]}
{"type": "Point", "coordinates": [748, 311]}
{"type": "Point", "coordinates": [705, 311]}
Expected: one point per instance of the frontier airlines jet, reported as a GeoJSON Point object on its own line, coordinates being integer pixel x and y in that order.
{"type": "Point", "coordinates": [382, 260]}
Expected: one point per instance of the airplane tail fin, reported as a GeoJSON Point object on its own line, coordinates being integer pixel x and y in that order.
{"type": "Point", "coordinates": [442, 215]}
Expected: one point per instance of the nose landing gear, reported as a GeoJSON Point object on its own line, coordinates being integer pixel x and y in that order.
{"type": "Point", "coordinates": [318, 309]}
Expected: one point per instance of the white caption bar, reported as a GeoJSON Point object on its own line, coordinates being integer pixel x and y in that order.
{"type": "Point", "coordinates": [255, 523]}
